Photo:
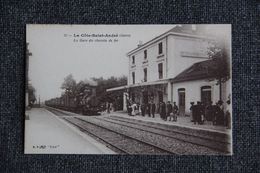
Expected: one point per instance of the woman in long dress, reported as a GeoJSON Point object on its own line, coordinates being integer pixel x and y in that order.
{"type": "Point", "coordinates": [133, 109]}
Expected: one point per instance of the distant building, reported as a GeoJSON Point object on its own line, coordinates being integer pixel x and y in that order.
{"type": "Point", "coordinates": [172, 67]}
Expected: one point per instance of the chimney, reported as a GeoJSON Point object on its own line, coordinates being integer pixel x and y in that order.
{"type": "Point", "coordinates": [200, 28]}
{"type": "Point", "coordinates": [140, 44]}
{"type": "Point", "coordinates": [194, 28]}
{"type": "Point", "coordinates": [191, 28]}
{"type": "Point", "coordinates": [187, 28]}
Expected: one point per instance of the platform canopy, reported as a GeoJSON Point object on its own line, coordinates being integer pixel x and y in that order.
{"type": "Point", "coordinates": [159, 82]}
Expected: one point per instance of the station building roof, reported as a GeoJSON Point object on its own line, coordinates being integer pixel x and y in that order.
{"type": "Point", "coordinates": [200, 70]}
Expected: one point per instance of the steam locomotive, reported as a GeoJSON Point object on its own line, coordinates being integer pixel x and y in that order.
{"type": "Point", "coordinates": [85, 102]}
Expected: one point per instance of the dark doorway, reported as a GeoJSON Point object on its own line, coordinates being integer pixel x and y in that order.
{"type": "Point", "coordinates": [160, 96]}
{"type": "Point", "coordinates": [145, 97]}
{"type": "Point", "coordinates": [133, 97]}
{"type": "Point", "coordinates": [206, 94]}
{"type": "Point", "coordinates": [119, 102]}
{"type": "Point", "coordinates": [181, 95]}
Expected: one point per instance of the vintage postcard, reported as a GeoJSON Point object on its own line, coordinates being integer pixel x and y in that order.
{"type": "Point", "coordinates": [128, 89]}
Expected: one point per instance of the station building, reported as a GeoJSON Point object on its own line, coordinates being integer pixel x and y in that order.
{"type": "Point", "coordinates": [174, 67]}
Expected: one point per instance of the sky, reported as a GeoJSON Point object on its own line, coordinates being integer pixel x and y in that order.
{"type": "Point", "coordinates": [55, 54]}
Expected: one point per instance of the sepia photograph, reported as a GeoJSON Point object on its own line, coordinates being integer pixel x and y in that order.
{"type": "Point", "coordinates": [128, 89]}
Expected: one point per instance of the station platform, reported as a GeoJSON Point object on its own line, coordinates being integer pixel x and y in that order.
{"type": "Point", "coordinates": [46, 133]}
{"type": "Point", "coordinates": [183, 121]}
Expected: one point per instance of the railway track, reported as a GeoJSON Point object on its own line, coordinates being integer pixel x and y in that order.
{"type": "Point", "coordinates": [176, 146]}
{"type": "Point", "coordinates": [197, 140]}
{"type": "Point", "coordinates": [125, 144]}
{"type": "Point", "coordinates": [168, 140]}
{"type": "Point", "coordinates": [214, 136]}
{"type": "Point", "coordinates": [58, 112]}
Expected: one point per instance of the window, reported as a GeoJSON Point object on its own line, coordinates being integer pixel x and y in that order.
{"type": "Point", "coordinates": [160, 48]}
{"type": "Point", "coordinates": [145, 75]}
{"type": "Point", "coordinates": [145, 54]}
{"type": "Point", "coordinates": [133, 59]}
{"type": "Point", "coordinates": [160, 70]}
{"type": "Point", "coordinates": [133, 77]}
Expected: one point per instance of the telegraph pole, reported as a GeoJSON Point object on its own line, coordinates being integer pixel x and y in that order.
{"type": "Point", "coordinates": [39, 101]}
{"type": "Point", "coordinates": [28, 54]}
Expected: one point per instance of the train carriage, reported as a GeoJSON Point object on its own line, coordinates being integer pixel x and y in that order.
{"type": "Point", "coordinates": [85, 102]}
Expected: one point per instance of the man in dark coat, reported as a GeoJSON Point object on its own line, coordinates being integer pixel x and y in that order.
{"type": "Point", "coordinates": [108, 107]}
{"type": "Point", "coordinates": [129, 109]}
{"type": "Point", "coordinates": [209, 112]}
{"type": "Point", "coordinates": [143, 109]}
{"type": "Point", "coordinates": [153, 107]}
{"type": "Point", "coordinates": [220, 118]}
{"type": "Point", "coordinates": [196, 113]}
{"type": "Point", "coordinates": [215, 113]}
{"type": "Point", "coordinates": [163, 111]}
{"type": "Point", "coordinates": [160, 110]}
{"type": "Point", "coordinates": [228, 115]}
{"type": "Point", "coordinates": [169, 110]}
{"type": "Point", "coordinates": [149, 109]}
{"type": "Point", "coordinates": [191, 111]}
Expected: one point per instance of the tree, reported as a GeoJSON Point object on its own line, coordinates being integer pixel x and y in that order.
{"type": "Point", "coordinates": [31, 95]}
{"type": "Point", "coordinates": [80, 91]}
{"type": "Point", "coordinates": [218, 52]}
{"type": "Point", "coordinates": [104, 84]}
{"type": "Point", "coordinates": [69, 85]}
{"type": "Point", "coordinates": [80, 87]}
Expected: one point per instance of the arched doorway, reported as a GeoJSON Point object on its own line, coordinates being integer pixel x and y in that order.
{"type": "Point", "coordinates": [181, 96]}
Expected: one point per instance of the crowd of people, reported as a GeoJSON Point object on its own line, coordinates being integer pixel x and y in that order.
{"type": "Point", "coordinates": [199, 112]}
{"type": "Point", "coordinates": [214, 113]}
{"type": "Point", "coordinates": [165, 110]}
{"type": "Point", "coordinates": [137, 109]}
